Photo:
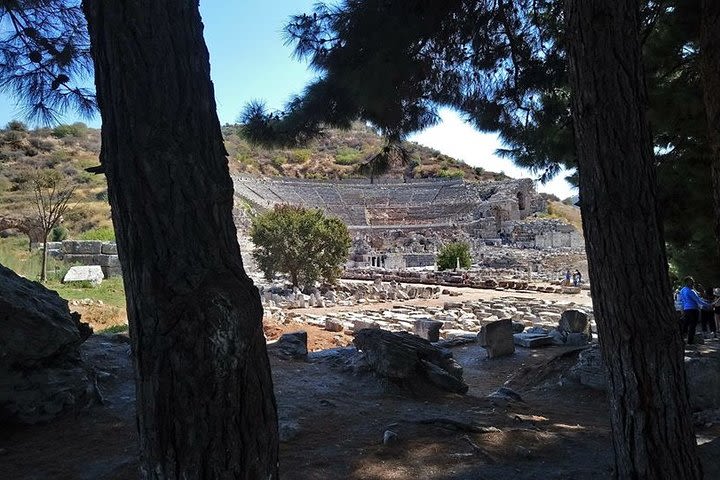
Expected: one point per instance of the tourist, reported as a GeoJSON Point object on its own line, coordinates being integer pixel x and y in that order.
{"type": "Point", "coordinates": [691, 305]}
{"type": "Point", "coordinates": [707, 315]}
{"type": "Point", "coordinates": [577, 278]}
{"type": "Point", "coordinates": [567, 278]}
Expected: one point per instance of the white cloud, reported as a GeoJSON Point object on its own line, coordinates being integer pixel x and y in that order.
{"type": "Point", "coordinates": [454, 137]}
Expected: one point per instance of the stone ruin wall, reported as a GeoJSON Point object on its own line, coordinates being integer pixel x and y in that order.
{"type": "Point", "coordinates": [88, 252]}
{"type": "Point", "coordinates": [399, 225]}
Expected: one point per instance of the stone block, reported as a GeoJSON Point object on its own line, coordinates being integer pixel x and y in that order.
{"type": "Point", "coordinates": [109, 248]}
{"type": "Point", "coordinates": [107, 260]}
{"type": "Point", "coordinates": [85, 247]}
{"type": "Point", "coordinates": [573, 321]}
{"type": "Point", "coordinates": [80, 259]}
{"type": "Point", "coordinates": [293, 345]}
{"type": "Point", "coordinates": [497, 338]}
{"type": "Point", "coordinates": [532, 340]}
{"type": "Point", "coordinates": [703, 382]}
{"type": "Point", "coordinates": [360, 324]}
{"type": "Point", "coordinates": [54, 246]}
{"type": "Point", "coordinates": [577, 339]}
{"type": "Point", "coordinates": [89, 273]}
{"type": "Point", "coordinates": [428, 329]}
{"type": "Point", "coordinates": [334, 325]}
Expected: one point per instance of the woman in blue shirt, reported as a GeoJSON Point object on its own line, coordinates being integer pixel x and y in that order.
{"type": "Point", "coordinates": [691, 305]}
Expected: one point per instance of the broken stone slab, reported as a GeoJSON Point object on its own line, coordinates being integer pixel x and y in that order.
{"type": "Point", "coordinates": [573, 321]}
{"type": "Point", "coordinates": [532, 340]}
{"type": "Point", "coordinates": [497, 338]}
{"type": "Point", "coordinates": [577, 339]}
{"type": "Point", "coordinates": [361, 324]}
{"type": "Point", "coordinates": [452, 306]}
{"type": "Point", "coordinates": [409, 359]}
{"type": "Point", "coordinates": [428, 329]}
{"type": "Point", "coordinates": [334, 325]}
{"type": "Point", "coordinates": [292, 345]}
{"type": "Point", "coordinates": [85, 273]}
{"type": "Point", "coordinates": [558, 337]}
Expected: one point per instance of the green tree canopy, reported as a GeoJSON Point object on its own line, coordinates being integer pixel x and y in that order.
{"type": "Point", "coordinates": [503, 66]}
{"type": "Point", "coordinates": [300, 242]}
{"type": "Point", "coordinates": [452, 254]}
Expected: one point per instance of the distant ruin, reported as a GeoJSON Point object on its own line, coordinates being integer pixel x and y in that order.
{"type": "Point", "coordinates": [397, 225]}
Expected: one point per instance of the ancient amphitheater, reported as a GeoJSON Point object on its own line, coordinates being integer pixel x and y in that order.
{"type": "Point", "coordinates": [397, 224]}
{"type": "Point", "coordinates": [400, 204]}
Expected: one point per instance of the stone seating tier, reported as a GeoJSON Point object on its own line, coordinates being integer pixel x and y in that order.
{"type": "Point", "coordinates": [364, 204]}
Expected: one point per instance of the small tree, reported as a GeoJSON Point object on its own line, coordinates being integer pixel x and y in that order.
{"type": "Point", "coordinates": [452, 254]}
{"type": "Point", "coordinates": [52, 200]}
{"type": "Point", "coordinates": [300, 242]}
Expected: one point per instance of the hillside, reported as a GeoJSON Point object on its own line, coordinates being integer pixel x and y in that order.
{"type": "Point", "coordinates": [70, 149]}
{"type": "Point", "coordinates": [336, 155]}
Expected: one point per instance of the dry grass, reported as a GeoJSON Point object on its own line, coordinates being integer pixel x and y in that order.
{"type": "Point", "coordinates": [569, 213]}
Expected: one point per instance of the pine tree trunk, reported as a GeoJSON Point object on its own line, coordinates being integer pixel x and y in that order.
{"type": "Point", "coordinates": [650, 417]}
{"type": "Point", "coordinates": [205, 401]}
{"type": "Point", "coordinates": [710, 67]}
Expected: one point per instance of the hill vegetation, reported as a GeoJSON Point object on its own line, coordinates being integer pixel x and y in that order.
{"type": "Point", "coordinates": [70, 149]}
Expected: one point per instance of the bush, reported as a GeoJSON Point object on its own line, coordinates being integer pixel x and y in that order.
{"type": "Point", "coordinates": [300, 155]}
{"type": "Point", "coordinates": [58, 234]}
{"type": "Point", "coordinates": [451, 173]}
{"type": "Point", "coordinates": [303, 243]}
{"type": "Point", "coordinates": [448, 257]}
{"type": "Point", "coordinates": [77, 130]}
{"type": "Point", "coordinates": [106, 234]}
{"type": "Point", "coordinates": [278, 161]}
{"type": "Point", "coordinates": [17, 126]}
{"type": "Point", "coordinates": [347, 156]}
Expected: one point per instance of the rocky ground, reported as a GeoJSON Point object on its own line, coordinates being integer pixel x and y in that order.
{"type": "Point", "coordinates": [335, 413]}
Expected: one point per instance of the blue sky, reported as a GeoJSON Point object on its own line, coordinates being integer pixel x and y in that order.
{"type": "Point", "coordinates": [249, 60]}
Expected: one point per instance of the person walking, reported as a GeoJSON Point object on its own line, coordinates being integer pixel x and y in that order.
{"type": "Point", "coordinates": [691, 305]}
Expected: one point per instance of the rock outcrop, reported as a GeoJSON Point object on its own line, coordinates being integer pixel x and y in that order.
{"type": "Point", "coordinates": [41, 373]}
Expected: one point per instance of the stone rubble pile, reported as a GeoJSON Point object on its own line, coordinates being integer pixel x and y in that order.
{"type": "Point", "coordinates": [486, 278]}
{"type": "Point", "coordinates": [543, 319]}
{"type": "Point", "coordinates": [346, 294]}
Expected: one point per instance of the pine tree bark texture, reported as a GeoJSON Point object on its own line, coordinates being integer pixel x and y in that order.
{"type": "Point", "coordinates": [650, 415]}
{"type": "Point", "coordinates": [710, 68]}
{"type": "Point", "coordinates": [205, 403]}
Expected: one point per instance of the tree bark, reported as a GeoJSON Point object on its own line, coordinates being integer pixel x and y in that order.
{"type": "Point", "coordinates": [650, 417]}
{"type": "Point", "coordinates": [205, 401]}
{"type": "Point", "coordinates": [710, 70]}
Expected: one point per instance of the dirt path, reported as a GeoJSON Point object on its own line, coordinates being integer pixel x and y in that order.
{"type": "Point", "coordinates": [333, 417]}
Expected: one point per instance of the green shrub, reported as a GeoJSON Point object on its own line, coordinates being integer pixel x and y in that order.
{"type": "Point", "coordinates": [451, 173]}
{"type": "Point", "coordinates": [278, 161]}
{"type": "Point", "coordinates": [347, 156]}
{"type": "Point", "coordinates": [106, 234]}
{"type": "Point", "coordinates": [448, 257]}
{"type": "Point", "coordinates": [303, 243]}
{"type": "Point", "coordinates": [300, 155]}
{"type": "Point", "coordinates": [77, 130]}
{"type": "Point", "coordinates": [58, 234]}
